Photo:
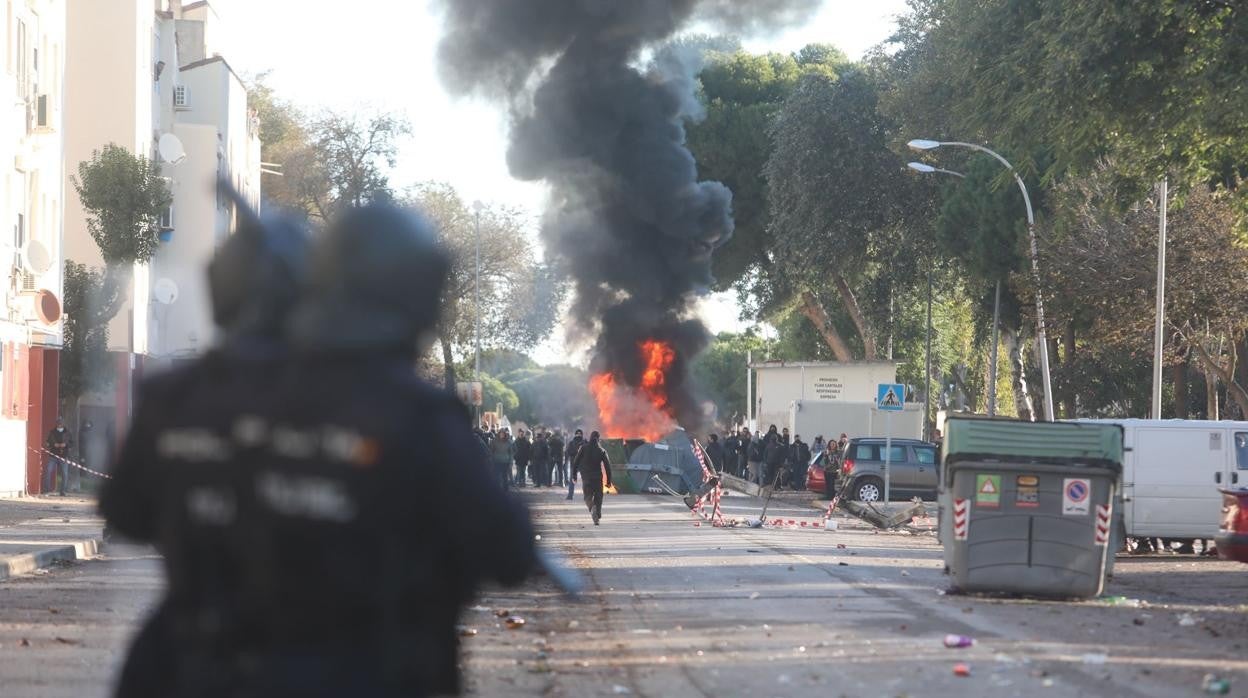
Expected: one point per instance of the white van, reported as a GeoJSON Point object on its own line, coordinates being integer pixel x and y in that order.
{"type": "Point", "coordinates": [1172, 471]}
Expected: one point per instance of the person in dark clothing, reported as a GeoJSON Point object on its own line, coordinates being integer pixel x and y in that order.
{"type": "Point", "coordinates": [715, 452]}
{"type": "Point", "coordinates": [757, 453]}
{"type": "Point", "coordinates": [799, 455]}
{"type": "Point", "coordinates": [730, 452]}
{"type": "Point", "coordinates": [570, 451]}
{"type": "Point", "coordinates": [774, 454]}
{"type": "Point", "coordinates": [541, 460]}
{"type": "Point", "coordinates": [743, 452]}
{"type": "Point", "coordinates": [263, 475]}
{"type": "Point", "coordinates": [556, 459]}
{"type": "Point", "coordinates": [592, 465]}
{"type": "Point", "coordinates": [522, 451]}
{"type": "Point", "coordinates": [502, 449]}
{"type": "Point", "coordinates": [56, 468]}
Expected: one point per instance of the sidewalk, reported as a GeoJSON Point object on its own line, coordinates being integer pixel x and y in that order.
{"type": "Point", "coordinates": [37, 531]}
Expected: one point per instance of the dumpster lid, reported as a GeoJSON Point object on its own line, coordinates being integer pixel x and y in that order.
{"type": "Point", "coordinates": [974, 438]}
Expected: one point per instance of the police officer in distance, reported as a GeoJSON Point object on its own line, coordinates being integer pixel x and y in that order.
{"type": "Point", "coordinates": [324, 583]}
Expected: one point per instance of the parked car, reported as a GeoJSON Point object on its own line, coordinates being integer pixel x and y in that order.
{"type": "Point", "coordinates": [914, 465]}
{"type": "Point", "coordinates": [815, 479]}
{"type": "Point", "coordinates": [1232, 537]}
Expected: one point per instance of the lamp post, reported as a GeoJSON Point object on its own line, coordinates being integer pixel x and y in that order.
{"type": "Point", "coordinates": [996, 309]}
{"type": "Point", "coordinates": [1159, 340]}
{"type": "Point", "coordinates": [476, 210]}
{"type": "Point", "coordinates": [1041, 339]}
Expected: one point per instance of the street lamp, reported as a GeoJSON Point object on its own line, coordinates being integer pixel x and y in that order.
{"type": "Point", "coordinates": [996, 309]}
{"type": "Point", "coordinates": [476, 210]}
{"type": "Point", "coordinates": [1041, 339]}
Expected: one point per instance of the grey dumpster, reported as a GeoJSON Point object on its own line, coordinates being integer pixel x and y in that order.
{"type": "Point", "coordinates": [1030, 507]}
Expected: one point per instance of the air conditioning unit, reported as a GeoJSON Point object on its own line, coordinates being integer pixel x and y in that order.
{"type": "Point", "coordinates": [179, 97]}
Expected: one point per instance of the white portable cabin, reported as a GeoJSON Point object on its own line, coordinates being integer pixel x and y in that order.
{"type": "Point", "coordinates": [1172, 469]}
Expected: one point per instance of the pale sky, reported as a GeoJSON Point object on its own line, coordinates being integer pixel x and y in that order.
{"type": "Point", "coordinates": [379, 54]}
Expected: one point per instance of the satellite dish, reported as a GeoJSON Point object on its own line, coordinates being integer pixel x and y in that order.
{"type": "Point", "coordinates": [170, 148]}
{"type": "Point", "coordinates": [35, 257]}
{"type": "Point", "coordinates": [47, 307]}
{"type": "Point", "coordinates": [165, 291]}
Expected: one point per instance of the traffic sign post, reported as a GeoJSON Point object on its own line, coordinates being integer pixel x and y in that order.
{"type": "Point", "coordinates": [889, 398]}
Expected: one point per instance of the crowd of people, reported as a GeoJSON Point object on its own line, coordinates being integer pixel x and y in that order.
{"type": "Point", "coordinates": [542, 458]}
{"type": "Point", "coordinates": [773, 459]}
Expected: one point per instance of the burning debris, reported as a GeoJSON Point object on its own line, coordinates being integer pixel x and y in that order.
{"type": "Point", "coordinates": [628, 221]}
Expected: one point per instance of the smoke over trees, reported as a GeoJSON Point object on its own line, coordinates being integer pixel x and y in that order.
{"type": "Point", "coordinates": [628, 221]}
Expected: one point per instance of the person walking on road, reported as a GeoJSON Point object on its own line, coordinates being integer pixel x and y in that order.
{"type": "Point", "coordinates": [757, 451]}
{"type": "Point", "coordinates": [715, 452]}
{"type": "Point", "coordinates": [572, 449]}
{"type": "Point", "coordinates": [800, 458]}
{"type": "Point", "coordinates": [522, 452]}
{"type": "Point", "coordinates": [593, 465]}
{"type": "Point", "coordinates": [541, 459]}
{"type": "Point", "coordinates": [774, 453]}
{"type": "Point", "coordinates": [502, 450]}
{"type": "Point", "coordinates": [56, 468]}
{"type": "Point", "coordinates": [556, 459]}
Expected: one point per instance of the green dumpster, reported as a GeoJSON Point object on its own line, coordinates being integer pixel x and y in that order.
{"type": "Point", "coordinates": [1030, 507]}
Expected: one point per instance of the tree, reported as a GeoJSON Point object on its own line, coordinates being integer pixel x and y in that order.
{"type": "Point", "coordinates": [124, 198]}
{"type": "Point", "coordinates": [843, 212]}
{"type": "Point", "coordinates": [1152, 85]}
{"type": "Point", "coordinates": [1101, 262]}
{"type": "Point", "coordinates": [495, 393]}
{"type": "Point", "coordinates": [553, 395]}
{"type": "Point", "coordinates": [327, 162]}
{"type": "Point", "coordinates": [519, 296]}
{"type": "Point", "coordinates": [720, 371]}
{"type": "Point", "coordinates": [85, 364]}
{"type": "Point", "coordinates": [742, 93]}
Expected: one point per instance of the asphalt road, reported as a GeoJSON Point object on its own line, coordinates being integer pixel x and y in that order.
{"type": "Point", "coordinates": [675, 610]}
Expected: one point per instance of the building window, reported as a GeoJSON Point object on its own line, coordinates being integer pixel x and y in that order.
{"type": "Point", "coordinates": [166, 218]}
{"type": "Point", "coordinates": [22, 74]}
{"type": "Point", "coordinates": [179, 97]}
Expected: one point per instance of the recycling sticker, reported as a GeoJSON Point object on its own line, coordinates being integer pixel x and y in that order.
{"type": "Point", "coordinates": [1076, 493]}
{"type": "Point", "coordinates": [987, 490]}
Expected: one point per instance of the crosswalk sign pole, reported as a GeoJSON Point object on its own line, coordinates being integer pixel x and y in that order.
{"type": "Point", "coordinates": [888, 453]}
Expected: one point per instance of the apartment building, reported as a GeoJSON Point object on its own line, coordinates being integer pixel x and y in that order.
{"type": "Point", "coordinates": [146, 75]}
{"type": "Point", "coordinates": [32, 82]}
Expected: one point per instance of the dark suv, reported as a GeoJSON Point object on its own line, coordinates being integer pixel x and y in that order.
{"type": "Point", "coordinates": [913, 464]}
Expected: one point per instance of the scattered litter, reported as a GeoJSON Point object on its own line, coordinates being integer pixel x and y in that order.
{"type": "Point", "coordinates": [830, 525]}
{"type": "Point", "coordinates": [514, 622]}
{"type": "Point", "coordinates": [68, 641]}
{"type": "Point", "coordinates": [1137, 621]}
{"type": "Point", "coordinates": [1095, 658]}
{"type": "Point", "coordinates": [1187, 620]}
{"type": "Point", "coordinates": [752, 550]}
{"type": "Point", "coordinates": [754, 595]}
{"type": "Point", "coordinates": [953, 641]}
{"type": "Point", "coordinates": [465, 631]}
{"type": "Point", "coordinates": [574, 624]}
{"type": "Point", "coordinates": [479, 609]}
{"type": "Point", "coordinates": [500, 612]}
{"type": "Point", "coordinates": [1216, 685]}
{"type": "Point", "coordinates": [840, 546]}
{"type": "Point", "coordinates": [961, 670]}
{"type": "Point", "coordinates": [23, 643]}
{"type": "Point", "coordinates": [1123, 601]}
{"type": "Point", "coordinates": [54, 610]}
{"type": "Point", "coordinates": [619, 690]}
{"type": "Point", "coordinates": [1047, 683]}
{"type": "Point", "coordinates": [905, 573]}
{"type": "Point", "coordinates": [843, 564]}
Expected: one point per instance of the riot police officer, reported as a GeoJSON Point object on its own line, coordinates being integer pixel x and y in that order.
{"type": "Point", "coordinates": [297, 564]}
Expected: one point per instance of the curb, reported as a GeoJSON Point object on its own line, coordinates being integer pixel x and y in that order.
{"type": "Point", "coordinates": [26, 563]}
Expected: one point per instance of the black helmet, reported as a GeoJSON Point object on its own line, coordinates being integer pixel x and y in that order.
{"type": "Point", "coordinates": [256, 275]}
{"type": "Point", "coordinates": [374, 283]}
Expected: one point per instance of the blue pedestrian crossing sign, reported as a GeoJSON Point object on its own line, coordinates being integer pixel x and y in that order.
{"type": "Point", "coordinates": [891, 397]}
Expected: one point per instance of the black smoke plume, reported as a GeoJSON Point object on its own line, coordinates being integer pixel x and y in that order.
{"type": "Point", "coordinates": [603, 125]}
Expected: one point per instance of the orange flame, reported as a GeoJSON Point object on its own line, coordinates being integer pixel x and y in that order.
{"type": "Point", "coordinates": [644, 411]}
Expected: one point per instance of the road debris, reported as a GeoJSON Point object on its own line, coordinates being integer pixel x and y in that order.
{"type": "Point", "coordinates": [954, 641]}
{"type": "Point", "coordinates": [1215, 685]}
{"type": "Point", "coordinates": [1095, 658]}
{"type": "Point", "coordinates": [1187, 620]}
{"type": "Point", "coordinates": [961, 670]}
{"type": "Point", "coordinates": [465, 631]}
{"type": "Point", "coordinates": [514, 622]}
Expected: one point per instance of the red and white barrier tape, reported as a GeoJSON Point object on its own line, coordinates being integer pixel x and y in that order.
{"type": "Point", "coordinates": [79, 466]}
